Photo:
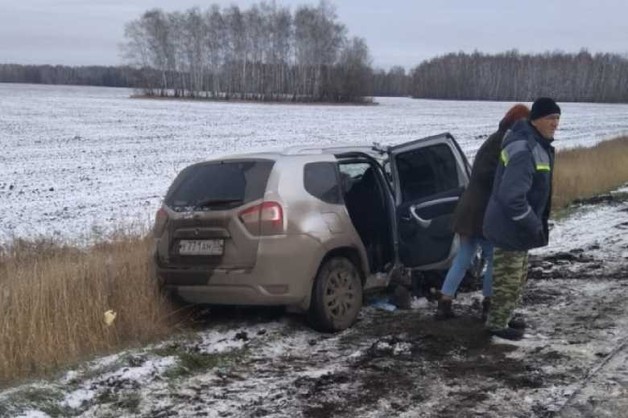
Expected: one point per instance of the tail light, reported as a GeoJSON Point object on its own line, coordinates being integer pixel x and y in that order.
{"type": "Point", "coordinates": [263, 219]}
{"type": "Point", "coordinates": [161, 219]}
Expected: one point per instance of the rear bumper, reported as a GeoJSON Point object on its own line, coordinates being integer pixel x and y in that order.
{"type": "Point", "coordinates": [283, 275]}
{"type": "Point", "coordinates": [236, 295]}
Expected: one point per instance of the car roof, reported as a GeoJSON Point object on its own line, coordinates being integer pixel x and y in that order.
{"type": "Point", "coordinates": [331, 149]}
{"type": "Point", "coordinates": [300, 150]}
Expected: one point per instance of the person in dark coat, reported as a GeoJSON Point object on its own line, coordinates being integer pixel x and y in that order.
{"type": "Point", "coordinates": [469, 216]}
{"type": "Point", "coordinates": [516, 218]}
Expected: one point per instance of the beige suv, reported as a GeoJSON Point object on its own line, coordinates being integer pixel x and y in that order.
{"type": "Point", "coordinates": [309, 228]}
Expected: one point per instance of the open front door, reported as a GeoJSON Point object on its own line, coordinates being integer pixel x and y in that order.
{"type": "Point", "coordinates": [429, 176]}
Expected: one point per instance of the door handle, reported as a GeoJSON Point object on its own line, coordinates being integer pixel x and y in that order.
{"type": "Point", "coordinates": [424, 223]}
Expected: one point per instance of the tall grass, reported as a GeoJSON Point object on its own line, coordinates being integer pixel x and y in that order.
{"type": "Point", "coordinates": [53, 297]}
{"type": "Point", "coordinates": [586, 172]}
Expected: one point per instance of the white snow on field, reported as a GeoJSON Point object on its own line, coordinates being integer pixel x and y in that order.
{"type": "Point", "coordinates": [77, 162]}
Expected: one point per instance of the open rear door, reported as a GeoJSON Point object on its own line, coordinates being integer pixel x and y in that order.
{"type": "Point", "coordinates": [429, 176]}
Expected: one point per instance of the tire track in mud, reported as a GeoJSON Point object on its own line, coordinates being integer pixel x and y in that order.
{"type": "Point", "coordinates": [576, 311]}
{"type": "Point", "coordinates": [588, 337]}
{"type": "Point", "coordinates": [611, 372]}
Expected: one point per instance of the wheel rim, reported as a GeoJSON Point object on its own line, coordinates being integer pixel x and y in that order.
{"type": "Point", "coordinates": [341, 294]}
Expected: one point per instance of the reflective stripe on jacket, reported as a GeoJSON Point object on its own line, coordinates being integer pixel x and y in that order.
{"type": "Point", "coordinates": [518, 209]}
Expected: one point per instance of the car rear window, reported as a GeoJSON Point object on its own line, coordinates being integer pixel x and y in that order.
{"type": "Point", "coordinates": [219, 184]}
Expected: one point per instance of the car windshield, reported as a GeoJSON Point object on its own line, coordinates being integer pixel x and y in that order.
{"type": "Point", "coordinates": [219, 185]}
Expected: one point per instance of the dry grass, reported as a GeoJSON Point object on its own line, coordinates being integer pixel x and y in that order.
{"type": "Point", "coordinates": [53, 299]}
{"type": "Point", "coordinates": [586, 172]}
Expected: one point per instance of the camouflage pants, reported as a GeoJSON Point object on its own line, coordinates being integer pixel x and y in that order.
{"type": "Point", "coordinates": [510, 272]}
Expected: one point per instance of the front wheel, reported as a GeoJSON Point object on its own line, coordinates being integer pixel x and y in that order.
{"type": "Point", "coordinates": [336, 296]}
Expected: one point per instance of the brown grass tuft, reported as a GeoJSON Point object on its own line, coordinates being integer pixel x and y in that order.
{"type": "Point", "coordinates": [586, 172]}
{"type": "Point", "coordinates": [53, 299]}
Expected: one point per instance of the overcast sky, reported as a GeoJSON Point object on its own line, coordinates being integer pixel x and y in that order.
{"type": "Point", "coordinates": [398, 32]}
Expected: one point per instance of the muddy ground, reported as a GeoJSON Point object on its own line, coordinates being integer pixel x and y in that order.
{"type": "Point", "coordinates": [573, 361]}
{"type": "Point", "coordinates": [405, 363]}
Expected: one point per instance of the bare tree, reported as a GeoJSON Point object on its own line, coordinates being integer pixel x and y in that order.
{"type": "Point", "coordinates": [193, 48]}
{"type": "Point", "coordinates": [216, 42]}
{"type": "Point", "coordinates": [354, 73]}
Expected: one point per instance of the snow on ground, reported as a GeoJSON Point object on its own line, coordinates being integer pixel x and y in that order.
{"type": "Point", "coordinates": [244, 363]}
{"type": "Point", "coordinates": [80, 161]}
{"type": "Point", "coordinates": [585, 234]}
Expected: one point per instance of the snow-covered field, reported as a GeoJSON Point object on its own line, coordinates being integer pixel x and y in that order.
{"type": "Point", "coordinates": [79, 161]}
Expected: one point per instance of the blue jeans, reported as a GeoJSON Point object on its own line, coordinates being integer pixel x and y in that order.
{"type": "Point", "coordinates": [462, 261]}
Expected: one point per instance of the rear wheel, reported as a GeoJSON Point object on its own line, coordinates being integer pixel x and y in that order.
{"type": "Point", "coordinates": [336, 296]}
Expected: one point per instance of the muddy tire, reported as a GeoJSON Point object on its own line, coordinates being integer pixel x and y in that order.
{"type": "Point", "coordinates": [336, 296]}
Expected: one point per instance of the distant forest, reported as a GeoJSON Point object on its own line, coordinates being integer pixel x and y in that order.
{"type": "Point", "coordinates": [580, 77]}
{"type": "Point", "coordinates": [394, 82]}
{"type": "Point", "coordinates": [94, 75]}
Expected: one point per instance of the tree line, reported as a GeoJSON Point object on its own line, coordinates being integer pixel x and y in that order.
{"type": "Point", "coordinates": [263, 53]}
{"type": "Point", "coordinates": [575, 77]}
{"type": "Point", "coordinates": [93, 75]}
{"type": "Point", "coordinates": [394, 82]}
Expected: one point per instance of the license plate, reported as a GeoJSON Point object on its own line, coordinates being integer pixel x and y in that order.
{"type": "Point", "coordinates": [201, 247]}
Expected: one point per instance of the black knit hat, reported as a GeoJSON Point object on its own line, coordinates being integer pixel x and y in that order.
{"type": "Point", "coordinates": [542, 107]}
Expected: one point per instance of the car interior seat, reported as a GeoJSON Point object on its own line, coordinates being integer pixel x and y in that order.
{"type": "Point", "coordinates": [367, 214]}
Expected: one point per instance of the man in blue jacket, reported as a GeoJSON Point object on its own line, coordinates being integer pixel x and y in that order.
{"type": "Point", "coordinates": [518, 210]}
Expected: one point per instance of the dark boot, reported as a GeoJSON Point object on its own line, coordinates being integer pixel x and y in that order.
{"type": "Point", "coordinates": [401, 297]}
{"type": "Point", "coordinates": [444, 311]}
{"type": "Point", "coordinates": [486, 307]}
{"type": "Point", "coordinates": [507, 333]}
{"type": "Point", "coordinates": [517, 322]}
